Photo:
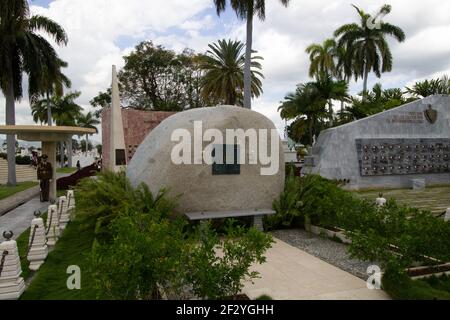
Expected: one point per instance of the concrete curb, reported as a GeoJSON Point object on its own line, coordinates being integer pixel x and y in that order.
{"type": "Point", "coordinates": [17, 199]}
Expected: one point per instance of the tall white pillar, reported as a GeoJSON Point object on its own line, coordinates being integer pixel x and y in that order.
{"type": "Point", "coordinates": [116, 136]}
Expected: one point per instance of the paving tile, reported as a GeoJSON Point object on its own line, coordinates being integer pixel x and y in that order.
{"type": "Point", "coordinates": [291, 273]}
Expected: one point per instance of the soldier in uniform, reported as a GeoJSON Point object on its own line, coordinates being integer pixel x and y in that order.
{"type": "Point", "coordinates": [44, 174]}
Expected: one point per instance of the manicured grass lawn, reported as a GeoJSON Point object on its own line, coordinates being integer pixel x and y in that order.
{"type": "Point", "coordinates": [6, 191]}
{"type": "Point", "coordinates": [434, 199]}
{"type": "Point", "coordinates": [66, 170]}
{"type": "Point", "coordinates": [72, 249]}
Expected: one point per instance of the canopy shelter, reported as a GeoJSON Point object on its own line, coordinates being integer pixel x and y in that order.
{"type": "Point", "coordinates": [49, 136]}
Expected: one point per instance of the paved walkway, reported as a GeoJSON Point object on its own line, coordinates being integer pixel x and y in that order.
{"type": "Point", "coordinates": [293, 274]}
{"type": "Point", "coordinates": [18, 199]}
{"type": "Point", "coordinates": [19, 219]}
{"type": "Point", "coordinates": [22, 197]}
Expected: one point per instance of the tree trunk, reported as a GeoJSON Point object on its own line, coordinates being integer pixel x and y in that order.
{"type": "Point", "coordinates": [61, 156]}
{"type": "Point", "coordinates": [87, 144]}
{"type": "Point", "coordinates": [69, 153]}
{"type": "Point", "coordinates": [311, 124]}
{"type": "Point", "coordinates": [330, 111]}
{"type": "Point", "coordinates": [366, 76]}
{"type": "Point", "coordinates": [11, 138]}
{"type": "Point", "coordinates": [49, 111]}
{"type": "Point", "coordinates": [342, 101]}
{"type": "Point", "coordinates": [248, 60]}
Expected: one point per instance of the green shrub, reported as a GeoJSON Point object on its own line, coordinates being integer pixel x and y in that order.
{"type": "Point", "coordinates": [294, 203]}
{"type": "Point", "coordinates": [414, 234]}
{"type": "Point", "coordinates": [392, 234]}
{"type": "Point", "coordinates": [22, 160]}
{"type": "Point", "coordinates": [312, 198]}
{"type": "Point", "coordinates": [218, 266]}
{"type": "Point", "coordinates": [146, 252]}
{"type": "Point", "coordinates": [141, 250]}
{"type": "Point", "coordinates": [399, 286]}
{"type": "Point", "coordinates": [111, 194]}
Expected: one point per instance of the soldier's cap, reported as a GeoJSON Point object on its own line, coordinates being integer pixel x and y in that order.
{"type": "Point", "coordinates": [44, 156]}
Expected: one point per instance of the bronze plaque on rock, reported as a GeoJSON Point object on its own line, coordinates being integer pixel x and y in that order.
{"type": "Point", "coordinates": [120, 157]}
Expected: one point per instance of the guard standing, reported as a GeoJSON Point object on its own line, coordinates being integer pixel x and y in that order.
{"type": "Point", "coordinates": [44, 174]}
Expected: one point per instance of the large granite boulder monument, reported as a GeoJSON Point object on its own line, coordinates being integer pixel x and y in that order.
{"type": "Point", "coordinates": [248, 179]}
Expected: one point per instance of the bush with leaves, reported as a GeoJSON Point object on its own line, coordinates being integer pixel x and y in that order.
{"type": "Point", "coordinates": [145, 255]}
{"type": "Point", "coordinates": [217, 267]}
{"type": "Point", "coordinates": [392, 235]}
{"type": "Point", "coordinates": [111, 194]}
{"type": "Point", "coordinates": [312, 198]}
{"type": "Point", "coordinates": [143, 249]}
{"type": "Point", "coordinates": [395, 235]}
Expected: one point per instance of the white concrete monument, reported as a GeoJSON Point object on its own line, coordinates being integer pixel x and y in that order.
{"type": "Point", "coordinates": [380, 201]}
{"type": "Point", "coordinates": [64, 215]}
{"type": "Point", "coordinates": [12, 284]}
{"type": "Point", "coordinates": [116, 137]}
{"type": "Point", "coordinates": [70, 200]}
{"type": "Point", "coordinates": [289, 155]}
{"type": "Point", "coordinates": [447, 215]}
{"type": "Point", "coordinates": [37, 244]}
{"type": "Point", "coordinates": [52, 231]}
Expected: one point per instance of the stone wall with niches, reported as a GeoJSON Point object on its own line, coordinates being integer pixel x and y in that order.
{"type": "Point", "coordinates": [389, 149]}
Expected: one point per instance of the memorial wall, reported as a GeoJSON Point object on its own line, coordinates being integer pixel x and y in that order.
{"type": "Point", "coordinates": [389, 149]}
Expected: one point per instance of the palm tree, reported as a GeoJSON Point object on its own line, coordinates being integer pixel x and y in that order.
{"type": "Point", "coordinates": [53, 82]}
{"type": "Point", "coordinates": [366, 46]}
{"type": "Point", "coordinates": [322, 57]}
{"type": "Point", "coordinates": [224, 73]}
{"type": "Point", "coordinates": [329, 89]}
{"type": "Point", "coordinates": [87, 120]}
{"type": "Point", "coordinates": [427, 88]}
{"type": "Point", "coordinates": [65, 113]}
{"type": "Point", "coordinates": [23, 50]}
{"type": "Point", "coordinates": [308, 104]}
{"type": "Point", "coordinates": [245, 10]}
{"type": "Point", "coordinates": [377, 100]}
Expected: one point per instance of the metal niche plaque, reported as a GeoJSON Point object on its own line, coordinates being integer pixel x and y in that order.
{"type": "Point", "coordinates": [120, 157]}
{"type": "Point", "coordinates": [229, 163]}
{"type": "Point", "coordinates": [382, 157]}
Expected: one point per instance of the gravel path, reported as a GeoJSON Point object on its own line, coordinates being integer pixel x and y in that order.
{"type": "Point", "coordinates": [330, 251]}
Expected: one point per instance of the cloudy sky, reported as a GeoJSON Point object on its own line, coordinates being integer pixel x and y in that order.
{"type": "Point", "coordinates": [102, 31]}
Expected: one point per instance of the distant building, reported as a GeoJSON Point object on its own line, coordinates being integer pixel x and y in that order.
{"type": "Point", "coordinates": [137, 124]}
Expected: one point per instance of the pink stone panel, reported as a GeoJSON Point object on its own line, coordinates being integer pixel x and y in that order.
{"type": "Point", "coordinates": [137, 124]}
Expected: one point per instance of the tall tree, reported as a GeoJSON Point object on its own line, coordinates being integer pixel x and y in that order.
{"type": "Point", "coordinates": [366, 46]}
{"type": "Point", "coordinates": [307, 106]}
{"type": "Point", "coordinates": [88, 120]}
{"type": "Point", "coordinates": [53, 82]}
{"type": "Point", "coordinates": [65, 112]}
{"type": "Point", "coordinates": [245, 10]}
{"type": "Point", "coordinates": [155, 78]}
{"type": "Point", "coordinates": [22, 49]}
{"type": "Point", "coordinates": [223, 80]}
{"type": "Point", "coordinates": [322, 57]}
